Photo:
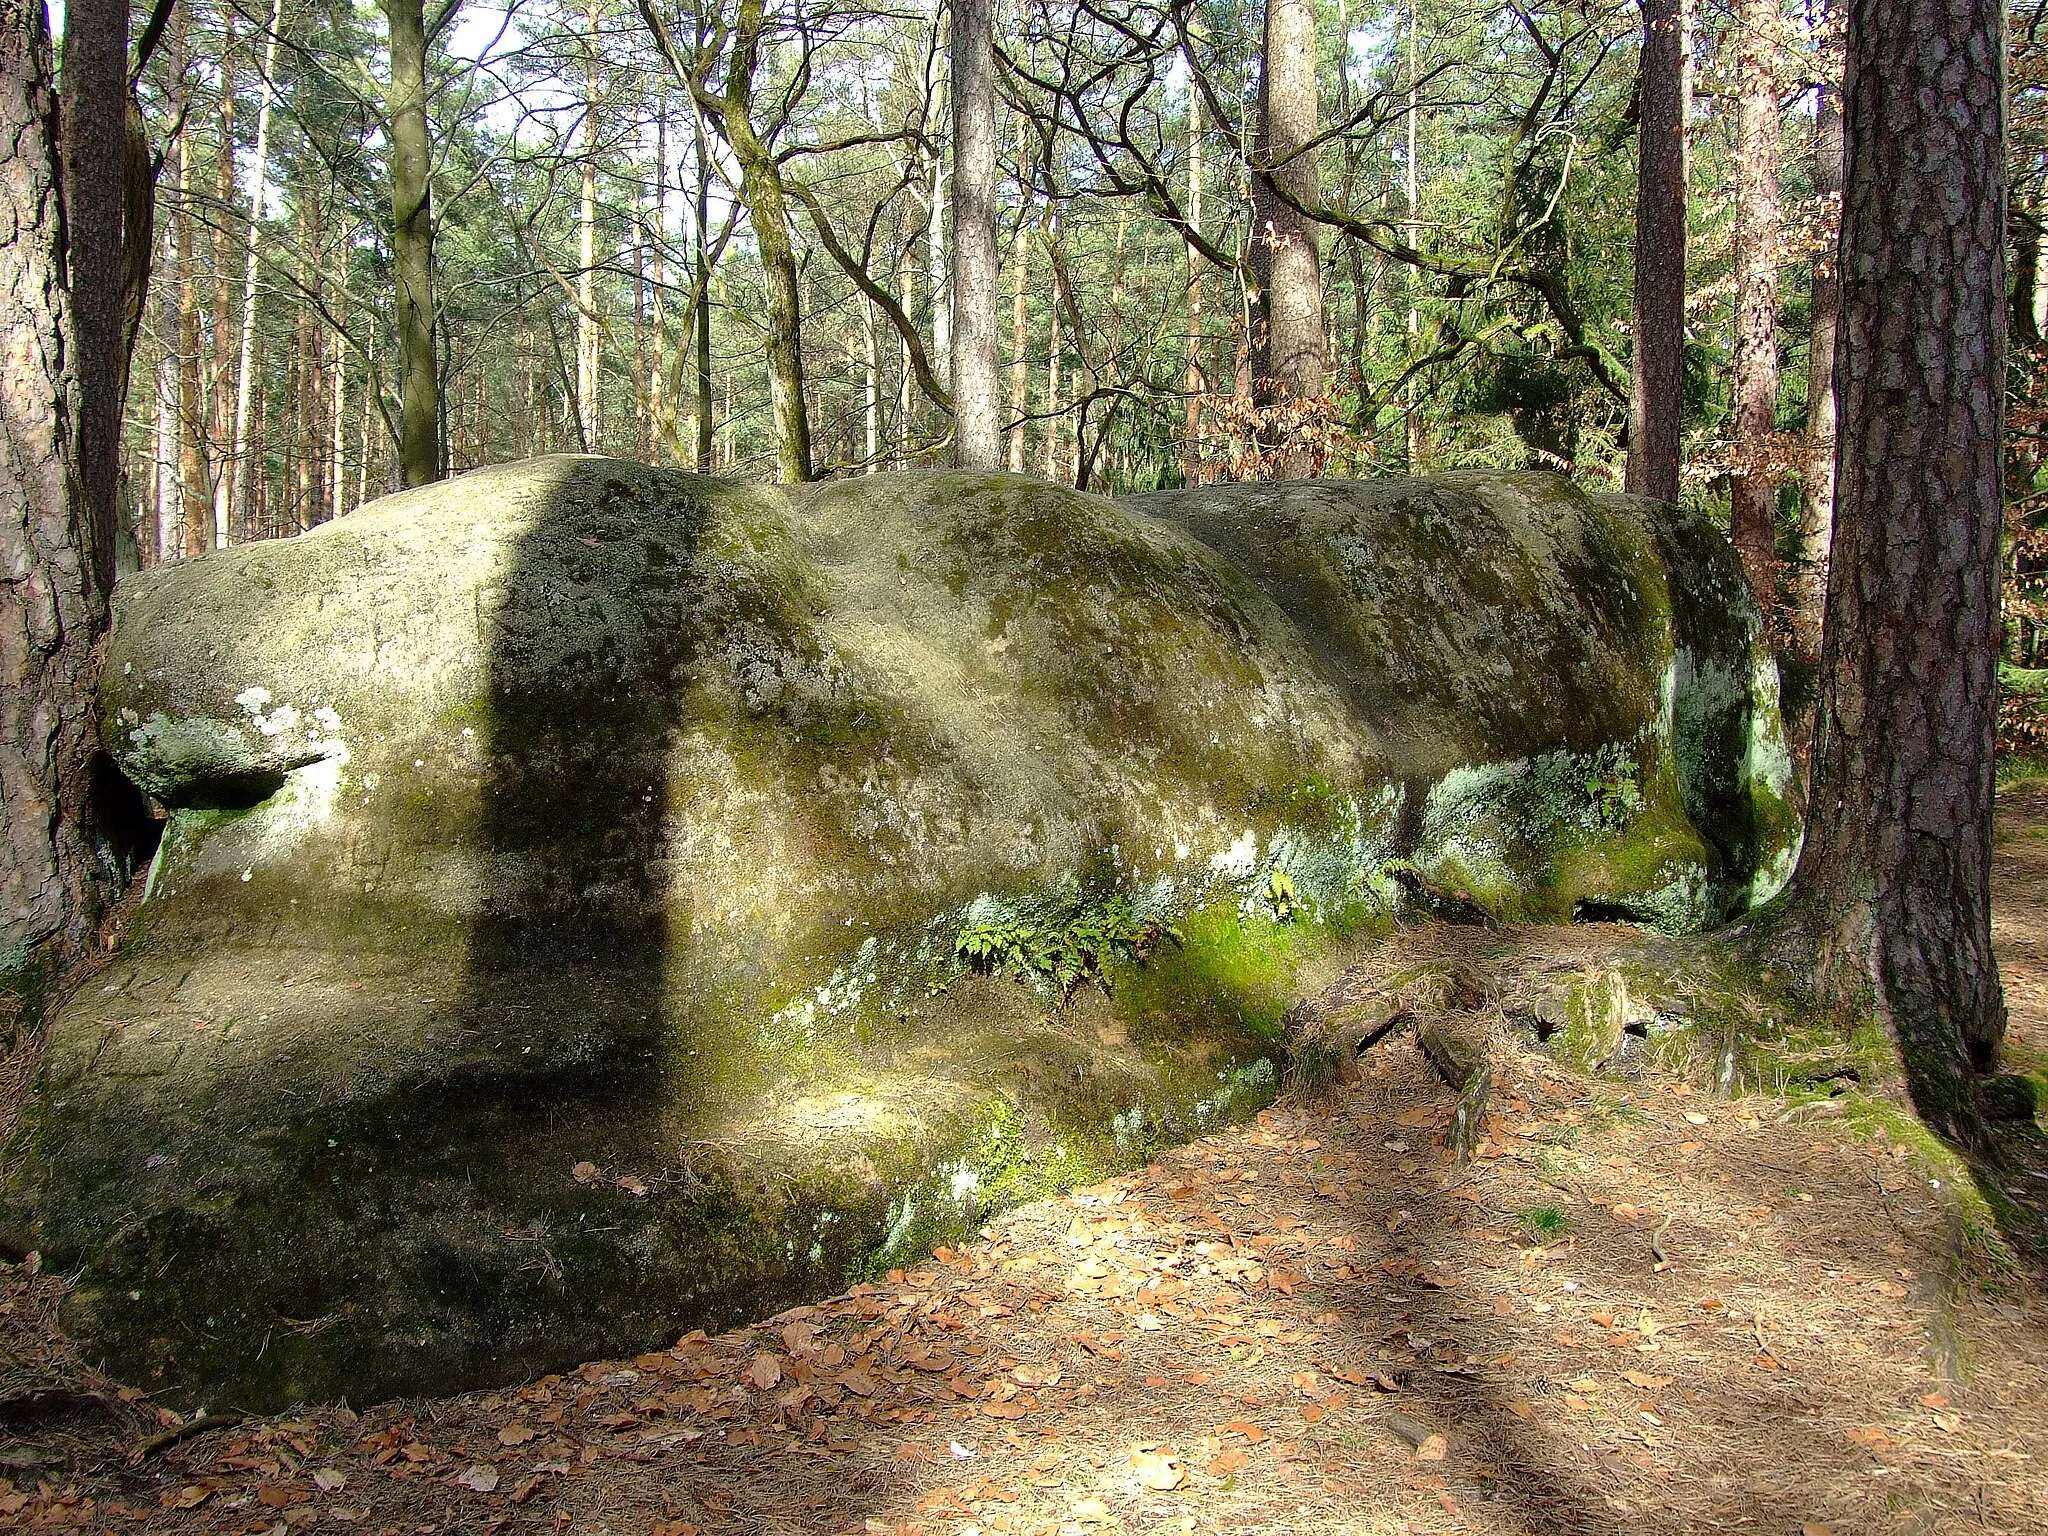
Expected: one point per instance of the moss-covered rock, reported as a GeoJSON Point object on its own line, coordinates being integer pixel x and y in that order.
{"type": "Point", "coordinates": [599, 901]}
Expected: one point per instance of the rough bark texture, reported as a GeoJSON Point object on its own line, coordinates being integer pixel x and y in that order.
{"type": "Point", "coordinates": [977, 410]}
{"type": "Point", "coordinates": [412, 247]}
{"type": "Point", "coordinates": [589, 415]}
{"type": "Point", "coordinates": [1752, 486]}
{"type": "Point", "coordinates": [1817, 508]}
{"type": "Point", "coordinates": [95, 130]}
{"type": "Point", "coordinates": [1191, 447]}
{"type": "Point", "coordinates": [1288, 363]}
{"type": "Point", "coordinates": [1892, 890]}
{"type": "Point", "coordinates": [52, 600]}
{"type": "Point", "coordinates": [761, 191]}
{"type": "Point", "coordinates": [1657, 384]}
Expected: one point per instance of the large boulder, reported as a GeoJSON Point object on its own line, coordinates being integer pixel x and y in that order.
{"type": "Point", "coordinates": [598, 900]}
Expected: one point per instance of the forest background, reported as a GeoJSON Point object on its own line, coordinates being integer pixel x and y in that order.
{"type": "Point", "coordinates": [607, 194]}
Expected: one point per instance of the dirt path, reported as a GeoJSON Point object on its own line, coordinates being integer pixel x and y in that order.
{"type": "Point", "coordinates": [1310, 1324]}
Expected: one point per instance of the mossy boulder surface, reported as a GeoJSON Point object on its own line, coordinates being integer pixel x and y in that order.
{"type": "Point", "coordinates": [598, 901]}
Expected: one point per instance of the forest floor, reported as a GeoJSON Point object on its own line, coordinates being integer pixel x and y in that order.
{"type": "Point", "coordinates": [1641, 1308]}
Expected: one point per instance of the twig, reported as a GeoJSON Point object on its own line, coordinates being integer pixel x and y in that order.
{"type": "Point", "coordinates": [185, 1431]}
{"type": "Point", "coordinates": [1657, 1244]}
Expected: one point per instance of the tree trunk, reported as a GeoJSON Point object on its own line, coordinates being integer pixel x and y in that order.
{"type": "Point", "coordinates": [660, 409]}
{"type": "Point", "coordinates": [937, 267]}
{"type": "Point", "coordinates": [1288, 362]}
{"type": "Point", "coordinates": [1817, 508]}
{"type": "Point", "coordinates": [197, 532]}
{"type": "Point", "coordinates": [589, 426]}
{"type": "Point", "coordinates": [412, 247]}
{"type": "Point", "coordinates": [642, 397]}
{"type": "Point", "coordinates": [1191, 449]}
{"type": "Point", "coordinates": [1657, 385]}
{"type": "Point", "coordinates": [1053, 346]}
{"type": "Point", "coordinates": [53, 595]}
{"type": "Point", "coordinates": [245, 370]}
{"type": "Point", "coordinates": [704, 445]}
{"type": "Point", "coordinates": [1752, 488]}
{"type": "Point", "coordinates": [1020, 319]}
{"type": "Point", "coordinates": [95, 161]}
{"type": "Point", "coordinates": [166, 473]}
{"type": "Point", "coordinates": [761, 190]}
{"type": "Point", "coordinates": [1891, 897]}
{"type": "Point", "coordinates": [220, 380]}
{"type": "Point", "coordinates": [977, 408]}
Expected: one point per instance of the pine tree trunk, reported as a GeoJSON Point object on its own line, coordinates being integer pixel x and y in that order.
{"type": "Point", "coordinates": [245, 369]}
{"type": "Point", "coordinates": [1817, 506]}
{"type": "Point", "coordinates": [166, 383]}
{"type": "Point", "coordinates": [412, 248]}
{"type": "Point", "coordinates": [95, 163]}
{"type": "Point", "coordinates": [1892, 893]}
{"type": "Point", "coordinates": [1020, 318]}
{"type": "Point", "coordinates": [704, 445]}
{"type": "Point", "coordinates": [220, 375]}
{"type": "Point", "coordinates": [977, 408]}
{"type": "Point", "coordinates": [53, 602]}
{"type": "Point", "coordinates": [642, 399]}
{"type": "Point", "coordinates": [1191, 448]}
{"type": "Point", "coordinates": [1657, 384]}
{"type": "Point", "coordinates": [589, 426]}
{"type": "Point", "coordinates": [761, 190]}
{"type": "Point", "coordinates": [1054, 344]}
{"type": "Point", "coordinates": [1288, 363]}
{"type": "Point", "coordinates": [1752, 488]}
{"type": "Point", "coordinates": [197, 532]}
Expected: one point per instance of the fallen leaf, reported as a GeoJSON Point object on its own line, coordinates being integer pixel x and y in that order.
{"type": "Point", "coordinates": [191, 1496]}
{"type": "Point", "coordinates": [1251, 1432]}
{"type": "Point", "coordinates": [1435, 1448]}
{"type": "Point", "coordinates": [1647, 1383]}
{"type": "Point", "coordinates": [327, 1480]}
{"type": "Point", "coordinates": [1227, 1462]}
{"type": "Point", "coordinates": [482, 1478]}
{"type": "Point", "coordinates": [632, 1184]}
{"type": "Point", "coordinates": [1934, 1400]}
{"type": "Point", "coordinates": [765, 1372]}
{"type": "Point", "coordinates": [1312, 1413]}
{"type": "Point", "coordinates": [584, 1173]}
{"type": "Point", "coordinates": [1872, 1439]}
{"type": "Point", "coordinates": [1159, 1469]}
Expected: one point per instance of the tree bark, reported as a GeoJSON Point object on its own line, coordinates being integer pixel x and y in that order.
{"type": "Point", "coordinates": [1288, 360]}
{"type": "Point", "coordinates": [1020, 320]}
{"type": "Point", "coordinates": [1891, 898]}
{"type": "Point", "coordinates": [53, 584]}
{"type": "Point", "coordinates": [196, 535]}
{"type": "Point", "coordinates": [1752, 488]}
{"type": "Point", "coordinates": [702, 313]}
{"type": "Point", "coordinates": [220, 328]}
{"type": "Point", "coordinates": [1657, 384]}
{"type": "Point", "coordinates": [761, 190]}
{"type": "Point", "coordinates": [245, 369]}
{"type": "Point", "coordinates": [1191, 449]}
{"type": "Point", "coordinates": [589, 426]}
{"type": "Point", "coordinates": [412, 247]}
{"type": "Point", "coordinates": [95, 126]}
{"type": "Point", "coordinates": [1817, 505]}
{"type": "Point", "coordinates": [977, 406]}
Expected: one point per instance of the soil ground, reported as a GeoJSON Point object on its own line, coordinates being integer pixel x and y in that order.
{"type": "Point", "coordinates": [1641, 1308]}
